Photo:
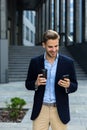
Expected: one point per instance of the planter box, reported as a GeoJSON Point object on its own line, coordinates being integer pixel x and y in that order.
{"type": "Point", "coordinates": [26, 124]}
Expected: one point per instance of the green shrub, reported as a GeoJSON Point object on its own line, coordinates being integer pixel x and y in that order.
{"type": "Point", "coordinates": [15, 106]}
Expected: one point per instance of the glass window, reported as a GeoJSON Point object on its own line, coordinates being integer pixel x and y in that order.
{"type": "Point", "coordinates": [27, 33]}
{"type": "Point", "coordinates": [27, 14]}
{"type": "Point", "coordinates": [32, 36]}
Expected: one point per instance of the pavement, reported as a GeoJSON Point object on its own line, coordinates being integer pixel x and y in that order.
{"type": "Point", "coordinates": [78, 105]}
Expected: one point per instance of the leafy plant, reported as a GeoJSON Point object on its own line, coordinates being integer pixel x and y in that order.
{"type": "Point", "coordinates": [15, 106]}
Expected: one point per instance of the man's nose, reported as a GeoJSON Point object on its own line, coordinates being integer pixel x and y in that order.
{"type": "Point", "coordinates": [54, 48]}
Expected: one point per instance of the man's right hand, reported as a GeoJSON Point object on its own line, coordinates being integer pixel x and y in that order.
{"type": "Point", "coordinates": [40, 80]}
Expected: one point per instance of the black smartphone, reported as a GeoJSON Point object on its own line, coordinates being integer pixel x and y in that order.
{"type": "Point", "coordinates": [65, 76]}
{"type": "Point", "coordinates": [44, 72]}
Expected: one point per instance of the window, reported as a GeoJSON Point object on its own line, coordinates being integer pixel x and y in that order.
{"type": "Point", "coordinates": [31, 36]}
{"type": "Point", "coordinates": [27, 33]}
{"type": "Point", "coordinates": [27, 14]}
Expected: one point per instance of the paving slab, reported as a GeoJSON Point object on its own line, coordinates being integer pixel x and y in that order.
{"type": "Point", "coordinates": [78, 105]}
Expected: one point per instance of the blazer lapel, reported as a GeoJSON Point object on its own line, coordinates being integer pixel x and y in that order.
{"type": "Point", "coordinates": [41, 63]}
{"type": "Point", "coordinates": [59, 68]}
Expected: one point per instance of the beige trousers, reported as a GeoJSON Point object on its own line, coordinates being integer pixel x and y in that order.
{"type": "Point", "coordinates": [48, 117]}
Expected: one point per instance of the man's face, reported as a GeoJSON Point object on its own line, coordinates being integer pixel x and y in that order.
{"type": "Point", "coordinates": [51, 47]}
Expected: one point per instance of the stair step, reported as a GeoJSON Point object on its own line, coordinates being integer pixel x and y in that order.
{"type": "Point", "coordinates": [20, 56]}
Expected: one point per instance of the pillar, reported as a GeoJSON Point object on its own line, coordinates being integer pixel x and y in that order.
{"type": "Point", "coordinates": [78, 21]}
{"type": "Point", "coordinates": [51, 18]}
{"type": "Point", "coordinates": [61, 20]}
{"type": "Point", "coordinates": [43, 18]}
{"type": "Point", "coordinates": [67, 21]}
{"type": "Point", "coordinates": [3, 43]}
{"type": "Point", "coordinates": [56, 15]}
{"type": "Point", "coordinates": [37, 25]}
{"type": "Point", "coordinates": [85, 24]}
{"type": "Point", "coordinates": [20, 27]}
{"type": "Point", "coordinates": [12, 22]}
{"type": "Point", "coordinates": [47, 15]}
{"type": "Point", "coordinates": [40, 24]}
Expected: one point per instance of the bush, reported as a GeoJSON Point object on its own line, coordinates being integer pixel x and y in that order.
{"type": "Point", "coordinates": [15, 106]}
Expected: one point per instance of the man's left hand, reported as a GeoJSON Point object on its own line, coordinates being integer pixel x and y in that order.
{"type": "Point", "coordinates": [64, 83]}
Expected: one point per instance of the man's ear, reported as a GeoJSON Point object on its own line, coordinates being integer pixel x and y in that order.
{"type": "Point", "coordinates": [43, 44]}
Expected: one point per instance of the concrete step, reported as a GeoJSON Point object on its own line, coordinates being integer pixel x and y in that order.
{"type": "Point", "coordinates": [20, 56]}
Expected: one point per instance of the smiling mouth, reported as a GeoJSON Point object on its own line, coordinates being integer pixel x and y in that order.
{"type": "Point", "coordinates": [53, 53]}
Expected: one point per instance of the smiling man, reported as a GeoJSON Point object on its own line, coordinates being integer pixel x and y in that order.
{"type": "Point", "coordinates": [51, 101]}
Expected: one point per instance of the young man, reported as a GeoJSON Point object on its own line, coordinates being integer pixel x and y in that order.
{"type": "Point", "coordinates": [51, 103]}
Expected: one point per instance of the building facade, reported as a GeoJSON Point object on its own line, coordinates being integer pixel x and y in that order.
{"type": "Point", "coordinates": [50, 14]}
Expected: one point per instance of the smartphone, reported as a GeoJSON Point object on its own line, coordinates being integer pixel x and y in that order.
{"type": "Point", "coordinates": [44, 72]}
{"type": "Point", "coordinates": [65, 76]}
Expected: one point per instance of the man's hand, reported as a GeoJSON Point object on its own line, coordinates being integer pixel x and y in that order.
{"type": "Point", "coordinates": [64, 83]}
{"type": "Point", "coordinates": [40, 80]}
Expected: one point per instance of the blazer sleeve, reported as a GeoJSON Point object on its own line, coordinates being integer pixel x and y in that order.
{"type": "Point", "coordinates": [73, 80]}
{"type": "Point", "coordinates": [31, 76]}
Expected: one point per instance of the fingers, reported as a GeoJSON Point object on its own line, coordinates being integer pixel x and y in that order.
{"type": "Point", "coordinates": [64, 83]}
{"type": "Point", "coordinates": [40, 80]}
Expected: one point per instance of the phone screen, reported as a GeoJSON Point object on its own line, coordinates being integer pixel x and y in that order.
{"type": "Point", "coordinates": [65, 76]}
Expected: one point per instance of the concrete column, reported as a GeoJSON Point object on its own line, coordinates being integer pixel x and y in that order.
{"type": "Point", "coordinates": [78, 21]}
{"type": "Point", "coordinates": [47, 14]}
{"type": "Point", "coordinates": [43, 18]}
{"type": "Point", "coordinates": [51, 18]}
{"type": "Point", "coordinates": [3, 60]}
{"type": "Point", "coordinates": [3, 43]}
{"type": "Point", "coordinates": [37, 27]}
{"type": "Point", "coordinates": [3, 19]}
{"type": "Point", "coordinates": [13, 22]}
{"type": "Point", "coordinates": [56, 14]}
{"type": "Point", "coordinates": [67, 21]}
{"type": "Point", "coordinates": [36, 24]}
{"type": "Point", "coordinates": [61, 24]}
{"type": "Point", "coordinates": [85, 20]}
{"type": "Point", "coordinates": [40, 23]}
{"type": "Point", "coordinates": [20, 27]}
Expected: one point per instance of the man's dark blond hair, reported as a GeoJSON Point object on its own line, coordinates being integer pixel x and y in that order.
{"type": "Point", "coordinates": [50, 34]}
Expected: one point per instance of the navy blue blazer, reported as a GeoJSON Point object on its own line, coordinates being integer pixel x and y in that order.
{"type": "Point", "coordinates": [64, 66]}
